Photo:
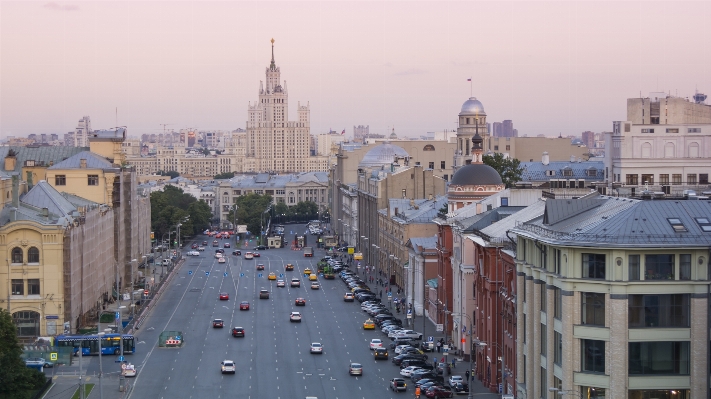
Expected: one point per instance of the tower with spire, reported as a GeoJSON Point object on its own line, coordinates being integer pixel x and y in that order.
{"type": "Point", "coordinates": [275, 144]}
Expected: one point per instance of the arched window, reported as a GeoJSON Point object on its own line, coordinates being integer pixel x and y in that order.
{"type": "Point", "coordinates": [17, 255]}
{"type": "Point", "coordinates": [669, 150]}
{"type": "Point", "coordinates": [27, 323]}
{"type": "Point", "coordinates": [694, 150]}
{"type": "Point", "coordinates": [646, 150]}
{"type": "Point", "coordinates": [33, 255]}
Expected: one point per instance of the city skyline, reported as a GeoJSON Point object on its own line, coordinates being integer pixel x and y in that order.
{"type": "Point", "coordinates": [553, 68]}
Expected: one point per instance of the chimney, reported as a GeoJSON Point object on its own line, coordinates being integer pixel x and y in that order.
{"type": "Point", "coordinates": [546, 159]}
{"type": "Point", "coordinates": [15, 190]}
{"type": "Point", "coordinates": [82, 163]}
{"type": "Point", "coordinates": [10, 161]}
{"type": "Point", "coordinates": [45, 212]}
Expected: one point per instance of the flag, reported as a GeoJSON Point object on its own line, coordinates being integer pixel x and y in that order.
{"type": "Point", "coordinates": [469, 80]}
{"type": "Point", "coordinates": [343, 132]}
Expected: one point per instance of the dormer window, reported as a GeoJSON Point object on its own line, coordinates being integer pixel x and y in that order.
{"type": "Point", "coordinates": [705, 224]}
{"type": "Point", "coordinates": [567, 171]}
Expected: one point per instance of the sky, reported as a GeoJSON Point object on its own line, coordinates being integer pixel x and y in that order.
{"type": "Point", "coordinates": [560, 67]}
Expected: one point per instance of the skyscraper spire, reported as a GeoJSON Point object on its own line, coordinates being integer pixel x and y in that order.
{"type": "Point", "coordinates": [272, 66]}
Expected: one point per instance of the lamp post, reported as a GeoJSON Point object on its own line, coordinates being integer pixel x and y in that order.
{"type": "Point", "coordinates": [562, 392]}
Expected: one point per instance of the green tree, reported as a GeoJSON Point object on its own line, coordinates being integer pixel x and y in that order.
{"type": "Point", "coordinates": [200, 216]}
{"type": "Point", "coordinates": [226, 175]}
{"type": "Point", "coordinates": [509, 169]}
{"type": "Point", "coordinates": [16, 380]}
{"type": "Point", "coordinates": [250, 208]}
{"type": "Point", "coordinates": [171, 206]}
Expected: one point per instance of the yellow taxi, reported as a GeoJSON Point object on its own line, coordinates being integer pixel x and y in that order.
{"type": "Point", "coordinates": [272, 276]}
{"type": "Point", "coordinates": [307, 271]}
{"type": "Point", "coordinates": [368, 325]}
{"type": "Point", "coordinates": [313, 277]}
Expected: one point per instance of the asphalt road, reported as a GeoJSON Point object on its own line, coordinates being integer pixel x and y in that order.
{"type": "Point", "coordinates": [273, 360]}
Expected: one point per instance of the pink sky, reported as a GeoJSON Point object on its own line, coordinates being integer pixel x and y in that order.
{"type": "Point", "coordinates": [551, 67]}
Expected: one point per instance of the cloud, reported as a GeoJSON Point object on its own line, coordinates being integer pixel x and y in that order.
{"type": "Point", "coordinates": [59, 7]}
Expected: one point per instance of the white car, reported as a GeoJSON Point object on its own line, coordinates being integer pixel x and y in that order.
{"type": "Point", "coordinates": [281, 283]}
{"type": "Point", "coordinates": [128, 370]}
{"type": "Point", "coordinates": [375, 343]}
{"type": "Point", "coordinates": [407, 371]}
{"type": "Point", "coordinates": [228, 366]}
{"type": "Point", "coordinates": [218, 255]}
{"type": "Point", "coordinates": [295, 316]}
{"type": "Point", "coordinates": [316, 347]}
{"type": "Point", "coordinates": [399, 348]}
{"type": "Point", "coordinates": [295, 282]}
{"type": "Point", "coordinates": [201, 248]}
{"type": "Point", "coordinates": [406, 334]}
{"type": "Point", "coordinates": [221, 260]}
{"type": "Point", "coordinates": [455, 379]}
{"type": "Point", "coordinates": [193, 253]}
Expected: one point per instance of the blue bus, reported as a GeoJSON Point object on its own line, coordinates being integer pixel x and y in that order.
{"type": "Point", "coordinates": [110, 344]}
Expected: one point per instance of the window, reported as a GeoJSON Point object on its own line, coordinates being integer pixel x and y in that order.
{"type": "Point", "coordinates": [544, 340]}
{"type": "Point", "coordinates": [60, 180]}
{"type": "Point", "coordinates": [593, 356]}
{"type": "Point", "coordinates": [669, 130]}
{"type": "Point", "coordinates": [592, 172]}
{"type": "Point", "coordinates": [594, 266]}
{"type": "Point", "coordinates": [17, 255]}
{"type": "Point", "coordinates": [632, 180]}
{"type": "Point", "coordinates": [558, 349]}
{"type": "Point", "coordinates": [93, 180]}
{"type": "Point", "coordinates": [694, 130]}
{"type": "Point", "coordinates": [544, 383]}
{"type": "Point", "coordinates": [33, 286]}
{"type": "Point", "coordinates": [543, 298]}
{"type": "Point", "coordinates": [556, 261]}
{"type": "Point", "coordinates": [647, 130]}
{"type": "Point", "coordinates": [663, 310]}
{"type": "Point", "coordinates": [431, 165]}
{"type": "Point", "coordinates": [524, 328]}
{"type": "Point", "coordinates": [664, 179]}
{"type": "Point", "coordinates": [599, 393]}
{"type": "Point", "coordinates": [703, 178]}
{"type": "Point", "coordinates": [27, 323]}
{"type": "Point", "coordinates": [656, 358]}
{"type": "Point", "coordinates": [558, 303]}
{"type": "Point", "coordinates": [676, 179]}
{"type": "Point", "coordinates": [442, 165]}
{"type": "Point", "coordinates": [685, 267]}
{"type": "Point", "coordinates": [496, 148]}
{"type": "Point", "coordinates": [18, 287]}
{"type": "Point", "coordinates": [659, 267]}
{"type": "Point", "coordinates": [33, 255]}
{"type": "Point", "coordinates": [508, 147]}
{"type": "Point", "coordinates": [633, 267]}
{"type": "Point", "coordinates": [593, 309]}
{"type": "Point", "coordinates": [705, 224]}
{"type": "Point", "coordinates": [647, 179]}
{"type": "Point", "coordinates": [691, 179]}
{"type": "Point", "coordinates": [567, 171]}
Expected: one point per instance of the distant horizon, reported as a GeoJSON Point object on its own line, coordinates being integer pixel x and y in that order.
{"type": "Point", "coordinates": [551, 67]}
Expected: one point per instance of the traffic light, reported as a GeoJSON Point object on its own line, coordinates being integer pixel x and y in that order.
{"type": "Point", "coordinates": [152, 236]}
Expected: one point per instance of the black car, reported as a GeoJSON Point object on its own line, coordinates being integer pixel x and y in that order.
{"type": "Point", "coordinates": [220, 251]}
{"type": "Point", "coordinates": [261, 248]}
{"type": "Point", "coordinates": [380, 353]}
{"type": "Point", "coordinates": [460, 388]}
{"type": "Point", "coordinates": [427, 377]}
{"type": "Point", "coordinates": [401, 358]}
{"type": "Point", "coordinates": [236, 252]}
{"type": "Point", "coordinates": [417, 363]}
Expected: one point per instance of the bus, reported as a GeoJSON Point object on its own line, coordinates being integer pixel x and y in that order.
{"type": "Point", "coordinates": [110, 344]}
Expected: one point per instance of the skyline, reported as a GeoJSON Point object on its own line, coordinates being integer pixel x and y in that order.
{"type": "Point", "coordinates": [551, 67]}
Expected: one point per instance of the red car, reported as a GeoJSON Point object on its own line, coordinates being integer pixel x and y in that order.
{"type": "Point", "coordinates": [224, 296]}
{"type": "Point", "coordinates": [227, 245]}
{"type": "Point", "coordinates": [194, 246]}
{"type": "Point", "coordinates": [300, 302]}
{"type": "Point", "coordinates": [260, 266]}
{"type": "Point", "coordinates": [238, 332]}
{"type": "Point", "coordinates": [439, 392]}
{"type": "Point", "coordinates": [257, 255]}
{"type": "Point", "coordinates": [244, 305]}
{"type": "Point", "coordinates": [218, 323]}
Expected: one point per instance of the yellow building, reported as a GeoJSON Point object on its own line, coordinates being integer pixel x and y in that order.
{"type": "Point", "coordinates": [32, 161]}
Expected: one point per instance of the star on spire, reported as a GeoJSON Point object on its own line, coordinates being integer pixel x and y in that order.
{"type": "Point", "coordinates": [272, 66]}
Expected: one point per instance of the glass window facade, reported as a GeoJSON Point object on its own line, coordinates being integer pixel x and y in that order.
{"type": "Point", "coordinates": [633, 264]}
{"type": "Point", "coordinates": [594, 266]}
{"type": "Point", "coordinates": [659, 267]}
{"type": "Point", "coordinates": [593, 309]}
{"type": "Point", "coordinates": [593, 356]}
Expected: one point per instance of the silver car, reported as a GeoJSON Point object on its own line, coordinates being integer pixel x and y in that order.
{"type": "Point", "coordinates": [355, 369]}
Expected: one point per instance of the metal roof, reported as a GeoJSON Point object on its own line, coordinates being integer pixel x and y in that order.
{"type": "Point", "coordinates": [40, 155]}
{"type": "Point", "coordinates": [537, 171]}
{"type": "Point", "coordinates": [93, 161]}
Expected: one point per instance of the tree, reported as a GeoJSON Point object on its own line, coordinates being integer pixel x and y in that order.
{"type": "Point", "coordinates": [250, 209]}
{"type": "Point", "coordinates": [171, 206]}
{"type": "Point", "coordinates": [226, 175]}
{"type": "Point", "coordinates": [16, 380]}
{"type": "Point", "coordinates": [509, 169]}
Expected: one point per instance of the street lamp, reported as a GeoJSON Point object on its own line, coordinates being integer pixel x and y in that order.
{"type": "Point", "coordinates": [562, 392]}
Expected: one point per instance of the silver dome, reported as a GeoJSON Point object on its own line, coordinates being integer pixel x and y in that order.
{"type": "Point", "coordinates": [383, 154]}
{"type": "Point", "coordinates": [472, 107]}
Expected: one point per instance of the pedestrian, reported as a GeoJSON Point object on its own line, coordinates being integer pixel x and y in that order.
{"type": "Point", "coordinates": [439, 347]}
{"type": "Point", "coordinates": [381, 294]}
{"type": "Point", "coordinates": [417, 392]}
{"type": "Point", "coordinates": [453, 363]}
{"type": "Point", "coordinates": [466, 374]}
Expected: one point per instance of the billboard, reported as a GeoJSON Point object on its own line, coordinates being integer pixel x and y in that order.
{"type": "Point", "coordinates": [241, 229]}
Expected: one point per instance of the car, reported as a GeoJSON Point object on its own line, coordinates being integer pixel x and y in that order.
{"type": "Point", "coordinates": [313, 277]}
{"type": "Point", "coordinates": [201, 248]}
{"type": "Point", "coordinates": [236, 252]}
{"type": "Point", "coordinates": [271, 276]}
{"type": "Point", "coordinates": [224, 296]}
{"type": "Point", "coordinates": [215, 243]}
{"type": "Point", "coordinates": [204, 243]}
{"type": "Point", "coordinates": [443, 368]}
{"type": "Point", "coordinates": [193, 253]}
{"type": "Point", "coordinates": [289, 267]}
{"type": "Point", "coordinates": [38, 362]}
{"type": "Point", "coordinates": [295, 317]}
{"type": "Point", "coordinates": [281, 283]}
{"type": "Point", "coordinates": [355, 369]}
{"type": "Point", "coordinates": [260, 266]}
{"type": "Point", "coordinates": [244, 305]}
{"type": "Point", "coordinates": [380, 353]}
{"type": "Point", "coordinates": [128, 370]}
{"type": "Point", "coordinates": [221, 260]}
{"type": "Point", "coordinates": [407, 371]}
{"type": "Point", "coordinates": [226, 245]}
{"type": "Point", "coordinates": [398, 385]}
{"type": "Point", "coordinates": [257, 255]}
{"type": "Point", "coordinates": [439, 392]}
{"type": "Point", "coordinates": [261, 248]}
{"type": "Point", "coordinates": [316, 348]}
{"type": "Point", "coordinates": [417, 363]}
{"type": "Point", "coordinates": [428, 346]}
{"type": "Point", "coordinates": [460, 388]}
{"type": "Point", "coordinates": [218, 255]}
{"type": "Point", "coordinates": [315, 285]}
{"type": "Point", "coordinates": [368, 325]}
{"type": "Point", "coordinates": [295, 282]}
{"type": "Point", "coordinates": [300, 302]}
{"type": "Point", "coordinates": [219, 251]}
{"type": "Point", "coordinates": [263, 294]}
{"type": "Point", "coordinates": [194, 246]}
{"type": "Point", "coordinates": [397, 360]}
{"type": "Point", "coordinates": [307, 271]}
{"type": "Point", "coordinates": [399, 348]}
{"type": "Point", "coordinates": [248, 255]}
{"type": "Point", "coordinates": [455, 379]}
{"type": "Point", "coordinates": [348, 297]}
{"type": "Point", "coordinates": [237, 331]}
{"type": "Point", "coordinates": [406, 334]}
{"type": "Point", "coordinates": [228, 366]}
{"type": "Point", "coordinates": [421, 378]}
{"type": "Point", "coordinates": [218, 323]}
{"type": "Point", "coordinates": [375, 343]}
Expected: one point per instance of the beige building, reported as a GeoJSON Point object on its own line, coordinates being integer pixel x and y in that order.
{"type": "Point", "coordinates": [664, 109]}
{"type": "Point", "coordinates": [614, 299]}
{"type": "Point", "coordinates": [527, 149]}
{"type": "Point", "coordinates": [327, 144]}
{"type": "Point", "coordinates": [31, 162]}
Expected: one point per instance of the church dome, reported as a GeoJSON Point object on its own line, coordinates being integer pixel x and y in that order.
{"type": "Point", "coordinates": [383, 154]}
{"type": "Point", "coordinates": [472, 107]}
{"type": "Point", "coordinates": [477, 174]}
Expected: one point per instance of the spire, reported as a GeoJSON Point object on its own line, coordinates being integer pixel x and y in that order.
{"type": "Point", "coordinates": [477, 148]}
{"type": "Point", "coordinates": [272, 66]}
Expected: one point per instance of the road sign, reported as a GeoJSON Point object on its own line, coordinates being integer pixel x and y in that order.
{"type": "Point", "coordinates": [440, 327]}
{"type": "Point", "coordinates": [390, 294]}
{"type": "Point", "coordinates": [225, 274]}
{"type": "Point", "coordinates": [430, 339]}
{"type": "Point", "coordinates": [53, 356]}
{"type": "Point", "coordinates": [178, 337]}
{"type": "Point", "coordinates": [120, 358]}
{"type": "Point", "coordinates": [241, 274]}
{"type": "Point", "coordinates": [409, 315]}
{"type": "Point", "coordinates": [281, 275]}
{"type": "Point", "coordinates": [190, 272]}
{"type": "Point", "coordinates": [259, 275]}
{"type": "Point", "coordinates": [117, 315]}
{"type": "Point", "coordinates": [207, 273]}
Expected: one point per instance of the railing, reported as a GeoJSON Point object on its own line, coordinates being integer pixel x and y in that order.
{"type": "Point", "coordinates": [640, 238]}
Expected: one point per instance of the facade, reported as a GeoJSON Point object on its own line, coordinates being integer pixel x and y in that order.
{"type": "Point", "coordinates": [613, 299]}
{"type": "Point", "coordinates": [31, 162]}
{"type": "Point", "coordinates": [531, 148]}
{"type": "Point", "coordinates": [360, 133]}
{"type": "Point", "coordinates": [327, 144]}
{"type": "Point", "coordinates": [664, 109]}
{"type": "Point", "coordinates": [574, 178]}
{"type": "Point", "coordinates": [422, 267]}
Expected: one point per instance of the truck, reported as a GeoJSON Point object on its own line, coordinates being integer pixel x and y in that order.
{"type": "Point", "coordinates": [308, 252]}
